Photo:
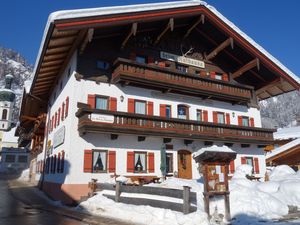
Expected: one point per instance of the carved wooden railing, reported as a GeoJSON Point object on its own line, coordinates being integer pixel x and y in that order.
{"type": "Point", "coordinates": [128, 71]}
{"type": "Point", "coordinates": [103, 121]}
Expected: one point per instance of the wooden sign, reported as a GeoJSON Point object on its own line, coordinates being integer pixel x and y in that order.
{"type": "Point", "coordinates": [182, 59]}
{"type": "Point", "coordinates": [102, 118]}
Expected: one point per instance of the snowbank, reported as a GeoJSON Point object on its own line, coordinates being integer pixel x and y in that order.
{"type": "Point", "coordinates": [24, 175]}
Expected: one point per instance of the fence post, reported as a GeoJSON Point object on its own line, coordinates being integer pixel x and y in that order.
{"type": "Point", "coordinates": [118, 191]}
{"type": "Point", "coordinates": [186, 199]}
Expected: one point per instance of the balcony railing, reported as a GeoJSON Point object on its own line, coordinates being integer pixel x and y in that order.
{"type": "Point", "coordinates": [103, 121]}
{"type": "Point", "coordinates": [143, 75]}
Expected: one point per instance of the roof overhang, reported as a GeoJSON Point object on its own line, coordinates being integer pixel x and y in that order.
{"type": "Point", "coordinates": [66, 30]}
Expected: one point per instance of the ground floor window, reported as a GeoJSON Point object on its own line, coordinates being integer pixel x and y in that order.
{"type": "Point", "coordinates": [169, 163]}
{"type": "Point", "coordinates": [249, 161]}
{"type": "Point", "coordinates": [140, 159]}
{"type": "Point", "coordinates": [99, 161]}
{"type": "Point", "coordinates": [10, 158]}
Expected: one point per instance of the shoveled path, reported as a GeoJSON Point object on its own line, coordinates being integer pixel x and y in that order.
{"type": "Point", "coordinates": [34, 203]}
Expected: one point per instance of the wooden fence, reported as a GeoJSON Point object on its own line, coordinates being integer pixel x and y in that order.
{"type": "Point", "coordinates": [188, 205]}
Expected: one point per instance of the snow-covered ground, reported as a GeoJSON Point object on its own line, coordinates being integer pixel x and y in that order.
{"type": "Point", "coordinates": [252, 202]}
{"type": "Point", "coordinates": [24, 175]}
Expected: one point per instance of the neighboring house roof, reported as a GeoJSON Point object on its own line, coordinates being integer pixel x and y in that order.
{"type": "Point", "coordinates": [287, 133]}
{"type": "Point", "coordinates": [283, 148]}
{"type": "Point", "coordinates": [9, 137]}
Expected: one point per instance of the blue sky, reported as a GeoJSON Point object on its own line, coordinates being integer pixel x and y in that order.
{"type": "Point", "coordinates": [273, 24]}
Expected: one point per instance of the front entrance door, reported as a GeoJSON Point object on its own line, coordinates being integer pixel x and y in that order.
{"type": "Point", "coordinates": [184, 164]}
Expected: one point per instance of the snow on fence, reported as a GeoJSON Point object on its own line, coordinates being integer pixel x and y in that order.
{"type": "Point", "coordinates": [178, 200]}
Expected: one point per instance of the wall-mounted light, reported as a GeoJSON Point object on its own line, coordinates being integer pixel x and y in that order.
{"type": "Point", "coordinates": [233, 114]}
{"type": "Point", "coordinates": [122, 98]}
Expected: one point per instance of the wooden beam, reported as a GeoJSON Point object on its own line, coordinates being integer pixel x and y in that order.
{"type": "Point", "coordinates": [267, 86]}
{"type": "Point", "coordinates": [37, 98]}
{"type": "Point", "coordinates": [51, 63]}
{"type": "Point", "coordinates": [28, 118]}
{"type": "Point", "coordinates": [45, 78]}
{"type": "Point", "coordinates": [218, 49]}
{"type": "Point", "coordinates": [169, 26]}
{"type": "Point", "coordinates": [132, 32]}
{"type": "Point", "coordinates": [250, 65]}
{"type": "Point", "coordinates": [88, 38]}
{"type": "Point", "coordinates": [201, 19]}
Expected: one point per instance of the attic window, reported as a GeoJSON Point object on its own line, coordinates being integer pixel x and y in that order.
{"type": "Point", "coordinates": [102, 65]}
{"type": "Point", "coordinates": [218, 77]}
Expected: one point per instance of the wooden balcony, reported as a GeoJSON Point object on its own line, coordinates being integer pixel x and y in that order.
{"type": "Point", "coordinates": [129, 72]}
{"type": "Point", "coordinates": [104, 121]}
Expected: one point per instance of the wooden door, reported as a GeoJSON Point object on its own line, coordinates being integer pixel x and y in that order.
{"type": "Point", "coordinates": [184, 164]}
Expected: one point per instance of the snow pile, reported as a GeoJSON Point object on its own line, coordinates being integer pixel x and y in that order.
{"type": "Point", "coordinates": [103, 206]}
{"type": "Point", "coordinates": [213, 148]}
{"type": "Point", "coordinates": [24, 175]}
{"type": "Point", "coordinates": [282, 172]}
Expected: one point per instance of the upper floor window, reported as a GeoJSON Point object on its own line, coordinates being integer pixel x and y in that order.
{"type": "Point", "coordinates": [168, 111]}
{"type": "Point", "coordinates": [140, 107]}
{"type": "Point", "coordinates": [221, 117]}
{"type": "Point", "coordinates": [182, 68]}
{"type": "Point", "coordinates": [140, 159]}
{"type": "Point", "coordinates": [182, 111]}
{"type": "Point", "coordinates": [141, 59]}
{"type": "Point", "coordinates": [102, 65]}
{"type": "Point", "coordinates": [218, 77]}
{"type": "Point", "coordinates": [245, 121]}
{"type": "Point", "coordinates": [101, 102]}
{"type": "Point", "coordinates": [99, 161]}
{"type": "Point", "coordinates": [4, 114]}
{"type": "Point", "coordinates": [199, 115]}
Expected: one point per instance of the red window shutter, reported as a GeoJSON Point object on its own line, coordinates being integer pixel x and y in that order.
{"type": "Point", "coordinates": [225, 77]}
{"type": "Point", "coordinates": [240, 120]}
{"type": "Point", "coordinates": [231, 167]}
{"type": "Point", "coordinates": [251, 122]}
{"type": "Point", "coordinates": [132, 56]}
{"type": "Point", "coordinates": [205, 115]}
{"type": "Point", "coordinates": [130, 162]}
{"type": "Point", "coordinates": [162, 110]}
{"type": "Point", "coordinates": [151, 162]}
{"type": "Point", "coordinates": [58, 116]}
{"type": "Point", "coordinates": [92, 101]}
{"type": "Point", "coordinates": [215, 117]}
{"type": "Point", "coordinates": [256, 165]}
{"type": "Point", "coordinates": [150, 59]}
{"type": "Point", "coordinates": [131, 105]}
{"type": "Point", "coordinates": [67, 107]}
{"type": "Point", "coordinates": [62, 162]}
{"type": "Point", "coordinates": [88, 161]}
{"type": "Point", "coordinates": [113, 104]}
{"type": "Point", "coordinates": [112, 161]}
{"type": "Point", "coordinates": [150, 108]}
{"type": "Point", "coordinates": [213, 75]}
{"type": "Point", "coordinates": [227, 118]}
{"type": "Point", "coordinates": [63, 111]}
{"type": "Point", "coordinates": [243, 160]}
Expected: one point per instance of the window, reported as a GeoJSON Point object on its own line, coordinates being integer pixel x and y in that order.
{"type": "Point", "coordinates": [221, 118]}
{"type": "Point", "coordinates": [182, 68]}
{"type": "Point", "coordinates": [168, 111]}
{"type": "Point", "coordinates": [10, 158]}
{"type": "Point", "coordinates": [140, 159]}
{"type": "Point", "coordinates": [199, 115]}
{"type": "Point", "coordinates": [169, 163]}
{"type": "Point", "coordinates": [140, 59]}
{"type": "Point", "coordinates": [249, 161]}
{"type": "Point", "coordinates": [22, 159]}
{"type": "Point", "coordinates": [99, 161]}
{"type": "Point", "coordinates": [245, 121]}
{"type": "Point", "coordinates": [4, 114]}
{"type": "Point", "coordinates": [218, 77]}
{"type": "Point", "coordinates": [102, 103]}
{"type": "Point", "coordinates": [102, 65]}
{"type": "Point", "coordinates": [182, 112]}
{"type": "Point", "coordinates": [140, 107]}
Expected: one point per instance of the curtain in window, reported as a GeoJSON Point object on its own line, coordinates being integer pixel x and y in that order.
{"type": "Point", "coordinates": [99, 161]}
{"type": "Point", "coordinates": [140, 107]}
{"type": "Point", "coordinates": [221, 118]}
{"type": "Point", "coordinates": [101, 103]}
{"type": "Point", "coordinates": [199, 113]}
{"type": "Point", "coordinates": [139, 162]}
{"type": "Point", "coordinates": [245, 122]}
{"type": "Point", "coordinates": [182, 112]}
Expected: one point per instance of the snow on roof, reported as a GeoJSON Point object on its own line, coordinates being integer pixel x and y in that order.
{"type": "Point", "coordinates": [80, 13]}
{"type": "Point", "coordinates": [27, 85]}
{"type": "Point", "coordinates": [283, 148]}
{"type": "Point", "coordinates": [213, 148]}
{"type": "Point", "coordinates": [287, 133]}
{"type": "Point", "coordinates": [9, 136]}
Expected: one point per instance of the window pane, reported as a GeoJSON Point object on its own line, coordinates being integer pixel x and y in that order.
{"type": "Point", "coordinates": [249, 161]}
{"type": "Point", "coordinates": [199, 115]}
{"type": "Point", "coordinates": [168, 111]}
{"type": "Point", "coordinates": [218, 77]}
{"type": "Point", "coordinates": [101, 103]}
{"type": "Point", "coordinates": [140, 107]}
{"type": "Point", "coordinates": [140, 59]}
{"type": "Point", "coordinates": [102, 65]}
{"type": "Point", "coordinates": [245, 122]}
{"type": "Point", "coordinates": [22, 159]}
{"type": "Point", "coordinates": [169, 162]}
{"type": "Point", "coordinates": [139, 162]}
{"type": "Point", "coordinates": [10, 158]}
{"type": "Point", "coordinates": [99, 161]}
{"type": "Point", "coordinates": [221, 118]}
{"type": "Point", "coordinates": [182, 112]}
